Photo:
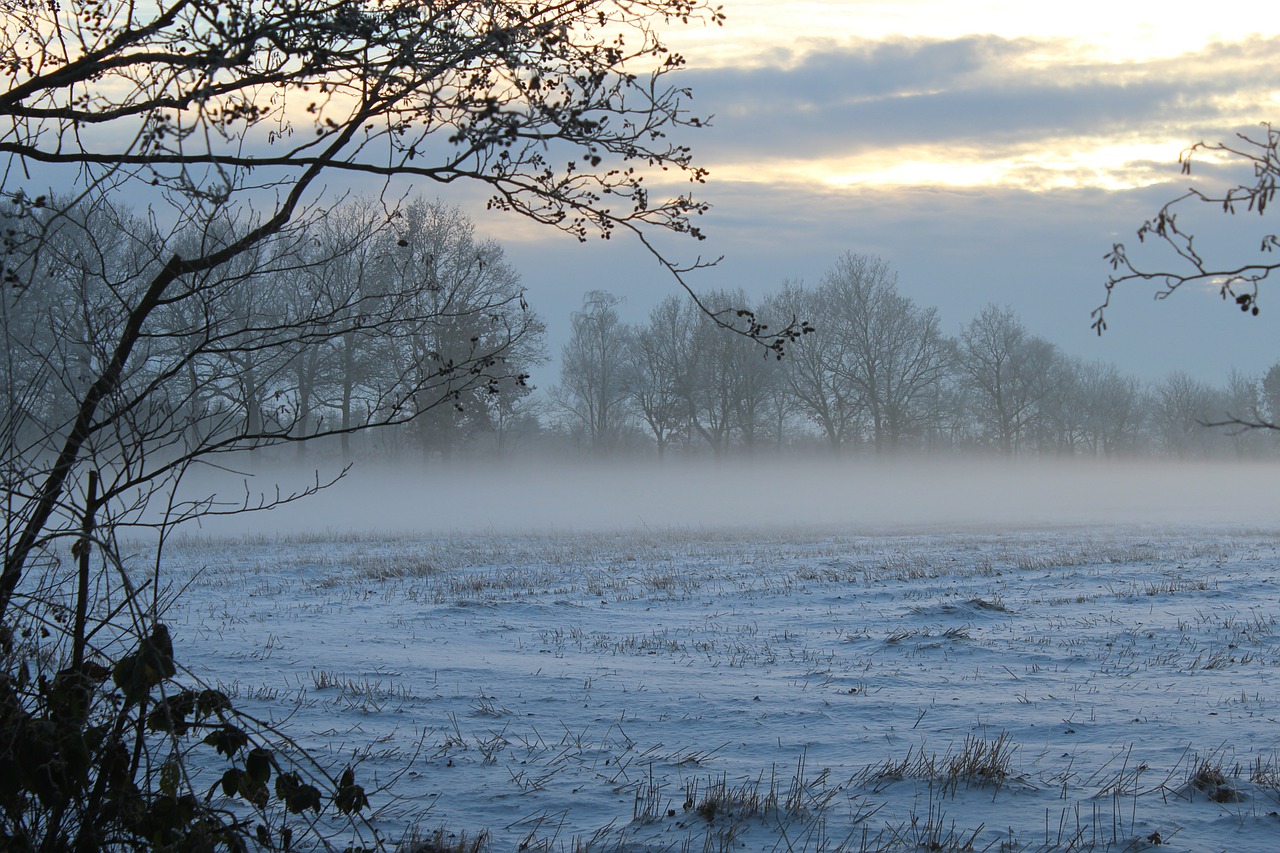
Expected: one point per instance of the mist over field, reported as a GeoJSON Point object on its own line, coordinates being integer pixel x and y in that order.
{"type": "Point", "coordinates": [359, 496]}
{"type": "Point", "coordinates": [825, 656]}
{"type": "Point", "coordinates": [857, 495]}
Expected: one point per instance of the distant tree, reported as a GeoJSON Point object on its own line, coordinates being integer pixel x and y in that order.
{"type": "Point", "coordinates": [1180, 408]}
{"type": "Point", "coordinates": [1271, 393]}
{"type": "Point", "coordinates": [1111, 404]}
{"type": "Point", "coordinates": [815, 372]}
{"type": "Point", "coordinates": [595, 380]}
{"type": "Point", "coordinates": [755, 376]}
{"type": "Point", "coordinates": [894, 353]}
{"type": "Point", "coordinates": [1062, 425]}
{"type": "Point", "coordinates": [656, 359]}
{"type": "Point", "coordinates": [516, 418]}
{"type": "Point", "coordinates": [352, 367]}
{"type": "Point", "coordinates": [477, 307]}
{"type": "Point", "coordinates": [957, 427]}
{"type": "Point", "coordinates": [1242, 401]}
{"type": "Point", "coordinates": [721, 382]}
{"type": "Point", "coordinates": [1009, 372]}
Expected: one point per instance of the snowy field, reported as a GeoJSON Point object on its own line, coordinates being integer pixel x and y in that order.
{"type": "Point", "coordinates": [791, 688]}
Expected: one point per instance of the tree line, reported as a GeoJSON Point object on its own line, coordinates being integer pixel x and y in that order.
{"type": "Point", "coordinates": [876, 375]}
{"type": "Point", "coordinates": [407, 321]}
{"type": "Point", "coordinates": [413, 323]}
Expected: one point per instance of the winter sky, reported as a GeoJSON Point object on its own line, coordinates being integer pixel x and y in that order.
{"type": "Point", "coordinates": [990, 151]}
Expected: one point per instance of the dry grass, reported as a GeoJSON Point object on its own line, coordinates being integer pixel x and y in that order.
{"type": "Point", "coordinates": [978, 763]}
{"type": "Point", "coordinates": [444, 841]}
{"type": "Point", "coordinates": [1210, 777]}
{"type": "Point", "coordinates": [1266, 775]}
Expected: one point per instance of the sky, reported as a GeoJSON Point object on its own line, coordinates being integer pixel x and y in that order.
{"type": "Point", "coordinates": [990, 152]}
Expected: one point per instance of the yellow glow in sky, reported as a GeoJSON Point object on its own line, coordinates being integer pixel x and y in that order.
{"type": "Point", "coordinates": [1106, 29]}
{"type": "Point", "coordinates": [1104, 165]}
{"type": "Point", "coordinates": [1123, 43]}
{"type": "Point", "coordinates": [1113, 166]}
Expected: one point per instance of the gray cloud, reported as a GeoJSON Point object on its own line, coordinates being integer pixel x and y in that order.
{"type": "Point", "coordinates": [973, 91]}
{"type": "Point", "coordinates": [1039, 251]}
{"type": "Point", "coordinates": [862, 69]}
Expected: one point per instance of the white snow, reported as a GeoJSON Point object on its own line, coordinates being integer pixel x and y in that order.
{"type": "Point", "coordinates": [1016, 687]}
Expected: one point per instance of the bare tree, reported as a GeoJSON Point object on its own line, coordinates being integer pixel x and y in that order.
{"type": "Point", "coordinates": [1271, 393]}
{"type": "Point", "coordinates": [814, 371]}
{"type": "Point", "coordinates": [1249, 404]}
{"type": "Point", "coordinates": [201, 102]}
{"type": "Point", "coordinates": [1237, 273]}
{"type": "Point", "coordinates": [1062, 424]}
{"type": "Point", "coordinates": [654, 368]}
{"type": "Point", "coordinates": [1009, 372]}
{"type": "Point", "coordinates": [1111, 405]}
{"type": "Point", "coordinates": [755, 376]}
{"type": "Point", "coordinates": [1236, 279]}
{"type": "Point", "coordinates": [477, 306]}
{"type": "Point", "coordinates": [895, 353]}
{"type": "Point", "coordinates": [1242, 402]}
{"type": "Point", "coordinates": [1180, 408]}
{"type": "Point", "coordinates": [352, 367]}
{"type": "Point", "coordinates": [712, 382]}
{"type": "Point", "coordinates": [594, 371]}
{"type": "Point", "coordinates": [174, 339]}
{"type": "Point", "coordinates": [515, 418]}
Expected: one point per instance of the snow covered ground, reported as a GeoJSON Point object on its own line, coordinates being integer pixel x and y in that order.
{"type": "Point", "coordinates": [988, 687]}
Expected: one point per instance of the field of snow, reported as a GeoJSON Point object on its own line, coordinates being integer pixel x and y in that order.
{"type": "Point", "coordinates": [1078, 687]}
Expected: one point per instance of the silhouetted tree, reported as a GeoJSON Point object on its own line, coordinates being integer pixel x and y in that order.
{"type": "Point", "coordinates": [191, 98]}
{"type": "Point", "coordinates": [1237, 274]}
{"type": "Point", "coordinates": [225, 120]}
{"type": "Point", "coordinates": [1236, 279]}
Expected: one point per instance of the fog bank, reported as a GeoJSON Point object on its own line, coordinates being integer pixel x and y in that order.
{"type": "Point", "coordinates": [855, 496]}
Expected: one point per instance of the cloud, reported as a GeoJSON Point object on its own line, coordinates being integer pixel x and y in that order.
{"type": "Point", "coordinates": [979, 96]}
{"type": "Point", "coordinates": [984, 169]}
{"type": "Point", "coordinates": [826, 71]}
